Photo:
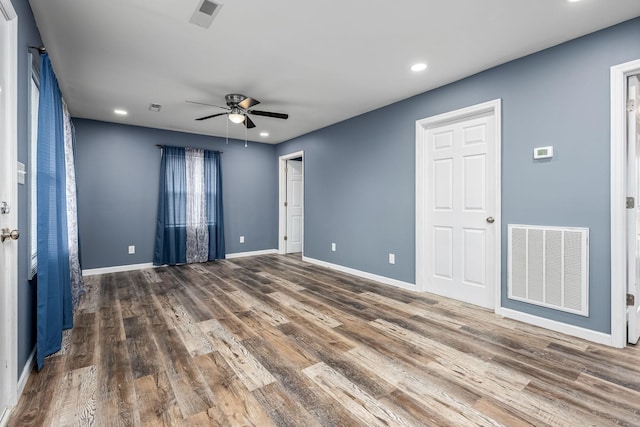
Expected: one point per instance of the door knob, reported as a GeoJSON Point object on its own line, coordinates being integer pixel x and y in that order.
{"type": "Point", "coordinates": [490, 220]}
{"type": "Point", "coordinates": [9, 234]}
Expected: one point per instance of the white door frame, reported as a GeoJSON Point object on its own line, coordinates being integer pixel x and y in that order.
{"type": "Point", "coordinates": [8, 310]}
{"type": "Point", "coordinates": [282, 197]}
{"type": "Point", "coordinates": [495, 109]}
{"type": "Point", "coordinates": [619, 75]}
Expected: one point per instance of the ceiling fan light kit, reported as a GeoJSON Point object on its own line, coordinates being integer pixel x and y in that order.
{"type": "Point", "coordinates": [236, 117]}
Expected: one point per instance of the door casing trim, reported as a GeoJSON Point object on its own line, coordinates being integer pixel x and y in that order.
{"type": "Point", "coordinates": [8, 312]}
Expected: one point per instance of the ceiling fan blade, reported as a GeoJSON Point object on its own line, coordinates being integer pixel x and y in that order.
{"type": "Point", "coordinates": [248, 122]}
{"type": "Point", "coordinates": [247, 103]}
{"type": "Point", "coordinates": [211, 116]}
{"type": "Point", "coordinates": [269, 114]}
{"type": "Point", "coordinates": [209, 105]}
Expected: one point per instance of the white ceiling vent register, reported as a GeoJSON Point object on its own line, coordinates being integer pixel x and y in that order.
{"type": "Point", "coordinates": [205, 13]}
{"type": "Point", "coordinates": [549, 266]}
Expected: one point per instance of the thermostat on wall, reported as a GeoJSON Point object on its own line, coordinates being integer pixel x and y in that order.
{"type": "Point", "coordinates": [543, 152]}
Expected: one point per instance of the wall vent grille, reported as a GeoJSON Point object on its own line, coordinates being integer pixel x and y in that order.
{"type": "Point", "coordinates": [208, 7]}
{"type": "Point", "coordinates": [549, 266]}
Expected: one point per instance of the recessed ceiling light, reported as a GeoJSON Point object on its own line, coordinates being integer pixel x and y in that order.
{"type": "Point", "coordinates": [120, 112]}
{"type": "Point", "coordinates": [573, 1]}
{"type": "Point", "coordinates": [419, 67]}
{"type": "Point", "coordinates": [264, 134]}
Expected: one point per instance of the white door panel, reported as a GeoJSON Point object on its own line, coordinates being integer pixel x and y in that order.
{"type": "Point", "coordinates": [475, 187]}
{"type": "Point", "coordinates": [443, 252]}
{"type": "Point", "coordinates": [443, 188]}
{"type": "Point", "coordinates": [474, 262]}
{"type": "Point", "coordinates": [295, 196]}
{"type": "Point", "coordinates": [460, 180]}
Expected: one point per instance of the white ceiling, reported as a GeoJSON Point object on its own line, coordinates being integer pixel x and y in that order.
{"type": "Point", "coordinates": [321, 62]}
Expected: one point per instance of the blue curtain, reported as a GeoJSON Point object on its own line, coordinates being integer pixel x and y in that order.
{"type": "Point", "coordinates": [171, 230]}
{"type": "Point", "coordinates": [54, 305]}
{"type": "Point", "coordinates": [173, 221]}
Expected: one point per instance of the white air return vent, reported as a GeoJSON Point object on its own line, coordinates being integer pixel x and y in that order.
{"type": "Point", "coordinates": [549, 266]}
{"type": "Point", "coordinates": [205, 13]}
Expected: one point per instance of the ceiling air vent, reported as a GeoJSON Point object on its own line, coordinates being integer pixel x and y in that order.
{"type": "Point", "coordinates": [204, 14]}
{"type": "Point", "coordinates": [155, 107]}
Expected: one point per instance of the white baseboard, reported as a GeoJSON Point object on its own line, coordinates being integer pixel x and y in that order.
{"type": "Point", "coordinates": [254, 253]}
{"type": "Point", "coordinates": [132, 267]}
{"type": "Point", "coordinates": [22, 382]}
{"type": "Point", "coordinates": [563, 328]}
{"type": "Point", "coordinates": [26, 372]}
{"type": "Point", "coordinates": [117, 269]}
{"type": "Point", "coordinates": [363, 274]}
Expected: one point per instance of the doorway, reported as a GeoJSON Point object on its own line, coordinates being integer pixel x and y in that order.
{"type": "Point", "coordinates": [291, 203]}
{"type": "Point", "coordinates": [8, 212]}
{"type": "Point", "coordinates": [625, 292]}
{"type": "Point", "coordinates": [458, 204]}
{"type": "Point", "coordinates": [633, 217]}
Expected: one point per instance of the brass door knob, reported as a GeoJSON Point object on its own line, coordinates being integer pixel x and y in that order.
{"type": "Point", "coordinates": [9, 234]}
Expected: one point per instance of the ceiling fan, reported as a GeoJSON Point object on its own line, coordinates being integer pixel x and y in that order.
{"type": "Point", "coordinates": [239, 108]}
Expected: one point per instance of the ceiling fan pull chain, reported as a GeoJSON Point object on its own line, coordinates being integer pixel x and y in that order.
{"type": "Point", "coordinates": [245, 135]}
{"type": "Point", "coordinates": [227, 131]}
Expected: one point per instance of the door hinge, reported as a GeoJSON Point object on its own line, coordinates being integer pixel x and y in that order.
{"type": "Point", "coordinates": [631, 300]}
{"type": "Point", "coordinates": [286, 204]}
{"type": "Point", "coordinates": [631, 104]}
{"type": "Point", "coordinates": [631, 203]}
{"type": "Point", "coordinates": [285, 237]}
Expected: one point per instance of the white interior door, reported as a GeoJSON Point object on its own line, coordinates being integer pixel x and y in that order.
{"type": "Point", "coordinates": [633, 240]}
{"type": "Point", "coordinates": [460, 206]}
{"type": "Point", "coordinates": [294, 206]}
{"type": "Point", "coordinates": [8, 215]}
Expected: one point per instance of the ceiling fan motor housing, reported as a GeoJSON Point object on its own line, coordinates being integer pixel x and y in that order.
{"type": "Point", "coordinates": [234, 99]}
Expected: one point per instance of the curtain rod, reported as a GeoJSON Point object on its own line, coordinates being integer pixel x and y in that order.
{"type": "Point", "coordinates": [40, 49]}
{"type": "Point", "coordinates": [160, 146]}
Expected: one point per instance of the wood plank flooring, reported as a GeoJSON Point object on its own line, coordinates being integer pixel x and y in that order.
{"type": "Point", "coordinates": [272, 341]}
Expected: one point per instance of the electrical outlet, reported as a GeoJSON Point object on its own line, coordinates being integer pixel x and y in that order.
{"type": "Point", "coordinates": [333, 247]}
{"type": "Point", "coordinates": [241, 239]}
{"type": "Point", "coordinates": [392, 258]}
{"type": "Point", "coordinates": [132, 249]}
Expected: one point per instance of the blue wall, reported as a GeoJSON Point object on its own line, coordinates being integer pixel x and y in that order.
{"type": "Point", "coordinates": [118, 170]}
{"type": "Point", "coordinates": [28, 35]}
{"type": "Point", "coordinates": [360, 173]}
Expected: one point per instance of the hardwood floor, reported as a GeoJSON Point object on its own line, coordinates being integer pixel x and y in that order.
{"type": "Point", "coordinates": [273, 341]}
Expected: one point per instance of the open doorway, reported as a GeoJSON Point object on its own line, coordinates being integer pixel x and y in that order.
{"type": "Point", "coordinates": [625, 192]}
{"type": "Point", "coordinates": [291, 203]}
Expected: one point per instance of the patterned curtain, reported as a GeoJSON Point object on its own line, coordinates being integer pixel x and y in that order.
{"type": "Point", "coordinates": [197, 229]}
{"type": "Point", "coordinates": [190, 226]}
{"type": "Point", "coordinates": [77, 284]}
